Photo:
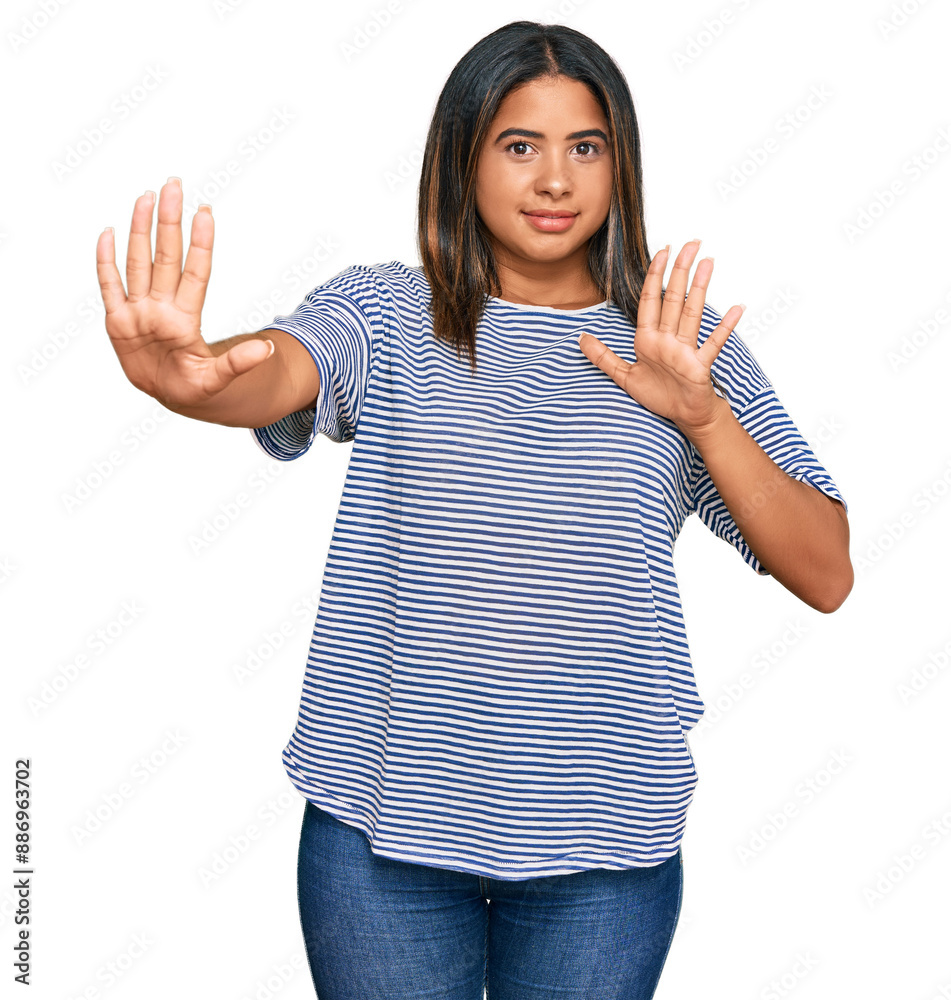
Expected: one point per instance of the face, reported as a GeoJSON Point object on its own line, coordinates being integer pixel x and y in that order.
{"type": "Point", "coordinates": [547, 150]}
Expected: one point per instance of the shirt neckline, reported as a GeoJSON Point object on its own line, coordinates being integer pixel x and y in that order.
{"type": "Point", "coordinates": [554, 310]}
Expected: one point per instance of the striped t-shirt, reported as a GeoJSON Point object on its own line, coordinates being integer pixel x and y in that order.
{"type": "Point", "coordinates": [499, 680]}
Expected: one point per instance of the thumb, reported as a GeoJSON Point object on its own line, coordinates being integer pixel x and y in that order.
{"type": "Point", "coordinates": [242, 358]}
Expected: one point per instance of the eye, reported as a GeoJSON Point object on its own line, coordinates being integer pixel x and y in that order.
{"type": "Point", "coordinates": [589, 150]}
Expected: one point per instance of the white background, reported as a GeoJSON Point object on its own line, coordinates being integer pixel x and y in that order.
{"type": "Point", "coordinates": [817, 853]}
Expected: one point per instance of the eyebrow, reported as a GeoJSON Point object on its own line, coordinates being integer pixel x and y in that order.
{"type": "Point", "coordinates": [538, 135]}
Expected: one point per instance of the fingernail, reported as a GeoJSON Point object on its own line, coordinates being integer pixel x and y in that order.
{"type": "Point", "coordinates": [150, 195]}
{"type": "Point", "coordinates": [580, 335]}
{"type": "Point", "coordinates": [271, 342]}
{"type": "Point", "coordinates": [207, 208]}
{"type": "Point", "coordinates": [174, 180]}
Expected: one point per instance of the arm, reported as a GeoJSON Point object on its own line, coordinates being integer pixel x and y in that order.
{"type": "Point", "coordinates": [799, 535]}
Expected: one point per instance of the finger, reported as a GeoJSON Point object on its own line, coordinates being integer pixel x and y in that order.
{"type": "Point", "coordinates": [240, 359]}
{"type": "Point", "coordinates": [190, 296]}
{"type": "Point", "coordinates": [138, 261]}
{"type": "Point", "coordinates": [692, 314]}
{"type": "Point", "coordinates": [721, 333]}
{"type": "Point", "coordinates": [677, 288]}
{"type": "Point", "coordinates": [110, 281]}
{"type": "Point", "coordinates": [167, 269]}
{"type": "Point", "coordinates": [649, 301]}
{"type": "Point", "coordinates": [602, 356]}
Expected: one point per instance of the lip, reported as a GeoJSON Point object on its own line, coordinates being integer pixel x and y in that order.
{"type": "Point", "coordinates": [551, 222]}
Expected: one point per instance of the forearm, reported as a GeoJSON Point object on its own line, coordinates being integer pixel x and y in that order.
{"type": "Point", "coordinates": [799, 535]}
{"type": "Point", "coordinates": [257, 398]}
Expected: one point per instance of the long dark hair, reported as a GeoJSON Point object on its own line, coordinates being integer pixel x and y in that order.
{"type": "Point", "coordinates": [453, 242]}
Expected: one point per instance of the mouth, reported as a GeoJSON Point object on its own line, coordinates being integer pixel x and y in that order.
{"type": "Point", "coordinates": [550, 222]}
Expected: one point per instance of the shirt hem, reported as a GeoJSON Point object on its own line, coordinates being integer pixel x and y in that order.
{"type": "Point", "coordinates": [350, 814]}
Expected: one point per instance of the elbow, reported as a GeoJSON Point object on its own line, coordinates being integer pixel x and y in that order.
{"type": "Point", "coordinates": [836, 591]}
{"type": "Point", "coordinates": [838, 582]}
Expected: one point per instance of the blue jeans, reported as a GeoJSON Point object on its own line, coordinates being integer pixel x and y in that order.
{"type": "Point", "coordinates": [380, 929]}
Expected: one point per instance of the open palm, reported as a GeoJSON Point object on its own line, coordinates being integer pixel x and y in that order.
{"type": "Point", "coordinates": [155, 329]}
{"type": "Point", "coordinates": [672, 376]}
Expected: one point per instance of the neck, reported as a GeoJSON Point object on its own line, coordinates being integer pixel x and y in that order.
{"type": "Point", "coordinates": [560, 284]}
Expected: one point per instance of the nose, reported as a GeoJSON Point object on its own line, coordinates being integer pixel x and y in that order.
{"type": "Point", "coordinates": [554, 176]}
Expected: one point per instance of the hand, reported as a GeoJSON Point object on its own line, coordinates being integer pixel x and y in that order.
{"type": "Point", "coordinates": [156, 328]}
{"type": "Point", "coordinates": [671, 376]}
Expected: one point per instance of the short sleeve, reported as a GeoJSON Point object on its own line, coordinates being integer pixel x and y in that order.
{"type": "Point", "coordinates": [341, 324]}
{"type": "Point", "coordinates": [757, 407]}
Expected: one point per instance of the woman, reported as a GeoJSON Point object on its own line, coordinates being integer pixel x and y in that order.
{"type": "Point", "coordinates": [491, 737]}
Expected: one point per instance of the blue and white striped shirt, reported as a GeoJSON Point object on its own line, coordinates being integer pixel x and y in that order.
{"type": "Point", "coordinates": [499, 680]}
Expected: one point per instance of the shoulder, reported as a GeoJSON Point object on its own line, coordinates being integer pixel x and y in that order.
{"type": "Point", "coordinates": [389, 286]}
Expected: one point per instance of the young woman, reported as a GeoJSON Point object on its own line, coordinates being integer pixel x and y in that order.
{"type": "Point", "coordinates": [491, 736]}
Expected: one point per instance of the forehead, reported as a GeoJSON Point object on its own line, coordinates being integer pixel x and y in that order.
{"type": "Point", "coordinates": [558, 99]}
